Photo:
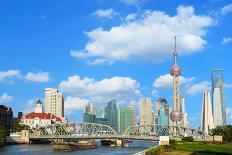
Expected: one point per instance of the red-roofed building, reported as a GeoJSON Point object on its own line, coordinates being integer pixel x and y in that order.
{"type": "Point", "coordinates": [39, 117]}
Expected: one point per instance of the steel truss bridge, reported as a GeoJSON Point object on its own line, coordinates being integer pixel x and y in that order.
{"type": "Point", "coordinates": [99, 131]}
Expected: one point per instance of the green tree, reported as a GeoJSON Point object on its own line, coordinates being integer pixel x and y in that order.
{"type": "Point", "coordinates": [225, 131]}
{"type": "Point", "coordinates": [188, 139]}
{"type": "Point", "coordinates": [19, 127]}
{"type": "Point", "coordinates": [2, 134]}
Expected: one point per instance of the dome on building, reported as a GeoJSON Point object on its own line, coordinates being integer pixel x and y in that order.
{"type": "Point", "coordinates": [39, 102]}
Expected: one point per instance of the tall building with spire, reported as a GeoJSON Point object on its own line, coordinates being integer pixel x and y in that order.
{"type": "Point", "coordinates": [175, 71]}
{"type": "Point", "coordinates": [207, 115]}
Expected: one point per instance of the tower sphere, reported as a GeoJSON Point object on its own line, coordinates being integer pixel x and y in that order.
{"type": "Point", "coordinates": [176, 116]}
{"type": "Point", "coordinates": [175, 70]}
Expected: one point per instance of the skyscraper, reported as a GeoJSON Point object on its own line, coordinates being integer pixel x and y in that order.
{"type": "Point", "coordinates": [54, 102]}
{"type": "Point", "coordinates": [90, 113]}
{"type": "Point", "coordinates": [219, 112]}
{"type": "Point", "coordinates": [160, 106]}
{"type": "Point", "coordinates": [184, 121]}
{"type": "Point", "coordinates": [207, 115]}
{"type": "Point", "coordinates": [125, 119]}
{"type": "Point", "coordinates": [162, 118]}
{"type": "Point", "coordinates": [110, 113]}
{"type": "Point", "coordinates": [145, 116]}
{"type": "Point", "coordinates": [133, 110]}
{"type": "Point", "coordinates": [90, 108]}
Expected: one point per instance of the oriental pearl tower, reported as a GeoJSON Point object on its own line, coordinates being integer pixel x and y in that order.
{"type": "Point", "coordinates": [175, 71]}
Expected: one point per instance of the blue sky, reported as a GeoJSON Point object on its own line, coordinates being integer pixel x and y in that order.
{"type": "Point", "coordinates": [96, 50]}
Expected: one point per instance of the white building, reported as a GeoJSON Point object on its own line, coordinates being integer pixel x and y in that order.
{"type": "Point", "coordinates": [207, 115]}
{"type": "Point", "coordinates": [39, 117]}
{"type": "Point", "coordinates": [90, 108]}
{"type": "Point", "coordinates": [184, 121]}
{"type": "Point", "coordinates": [54, 102]}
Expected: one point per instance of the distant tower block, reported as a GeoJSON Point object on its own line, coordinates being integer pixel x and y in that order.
{"type": "Point", "coordinates": [207, 114]}
{"type": "Point", "coordinates": [175, 71]}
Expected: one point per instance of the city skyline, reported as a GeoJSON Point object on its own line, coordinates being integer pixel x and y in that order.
{"type": "Point", "coordinates": [94, 52]}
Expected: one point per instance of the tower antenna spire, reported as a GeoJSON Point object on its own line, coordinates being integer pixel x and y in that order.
{"type": "Point", "coordinates": [175, 51]}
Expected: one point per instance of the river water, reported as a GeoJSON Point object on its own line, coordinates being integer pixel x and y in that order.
{"type": "Point", "coordinates": [46, 149]}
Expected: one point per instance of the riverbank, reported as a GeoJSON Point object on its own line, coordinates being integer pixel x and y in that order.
{"type": "Point", "coordinates": [193, 148]}
{"type": "Point", "coordinates": [204, 148]}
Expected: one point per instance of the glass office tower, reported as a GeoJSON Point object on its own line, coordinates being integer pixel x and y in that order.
{"type": "Point", "coordinates": [219, 112]}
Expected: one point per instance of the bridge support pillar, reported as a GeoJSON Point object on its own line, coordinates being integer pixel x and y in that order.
{"type": "Point", "coordinates": [26, 135]}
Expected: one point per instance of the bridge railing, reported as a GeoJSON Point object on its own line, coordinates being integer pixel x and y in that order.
{"type": "Point", "coordinates": [157, 130]}
{"type": "Point", "coordinates": [74, 129]}
{"type": "Point", "coordinates": [93, 130]}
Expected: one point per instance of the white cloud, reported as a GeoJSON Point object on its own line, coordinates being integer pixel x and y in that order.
{"type": "Point", "coordinates": [131, 17]}
{"type": "Point", "coordinates": [73, 103]}
{"type": "Point", "coordinates": [148, 38]}
{"type": "Point", "coordinates": [228, 85]}
{"type": "Point", "coordinates": [120, 88]}
{"type": "Point", "coordinates": [6, 75]}
{"type": "Point", "coordinates": [5, 98]}
{"type": "Point", "coordinates": [199, 88]}
{"type": "Point", "coordinates": [30, 105]}
{"type": "Point", "coordinates": [38, 77]}
{"type": "Point", "coordinates": [107, 13]}
{"type": "Point", "coordinates": [166, 81]}
{"type": "Point", "coordinates": [226, 9]}
{"type": "Point", "coordinates": [226, 40]}
{"type": "Point", "coordinates": [130, 2]}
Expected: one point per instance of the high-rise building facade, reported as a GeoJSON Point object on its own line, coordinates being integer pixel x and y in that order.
{"type": "Point", "coordinates": [90, 113]}
{"type": "Point", "coordinates": [219, 112]}
{"type": "Point", "coordinates": [133, 110]}
{"type": "Point", "coordinates": [162, 118]}
{"type": "Point", "coordinates": [161, 111]}
{"type": "Point", "coordinates": [90, 108]}
{"type": "Point", "coordinates": [110, 113]}
{"type": "Point", "coordinates": [6, 118]}
{"type": "Point", "coordinates": [184, 121]}
{"type": "Point", "coordinates": [207, 115]}
{"type": "Point", "coordinates": [145, 112]}
{"type": "Point", "coordinates": [125, 119]}
{"type": "Point", "coordinates": [54, 102]}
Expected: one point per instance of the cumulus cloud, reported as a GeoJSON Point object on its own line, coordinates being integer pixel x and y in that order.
{"type": "Point", "coordinates": [121, 88]}
{"type": "Point", "coordinates": [5, 98]}
{"type": "Point", "coordinates": [149, 37]}
{"type": "Point", "coordinates": [166, 81]}
{"type": "Point", "coordinates": [6, 75]}
{"type": "Point", "coordinates": [199, 88]}
{"type": "Point", "coordinates": [37, 77]}
{"type": "Point", "coordinates": [74, 103]}
{"type": "Point", "coordinates": [107, 13]}
{"type": "Point", "coordinates": [226, 9]}
{"type": "Point", "coordinates": [29, 106]}
{"type": "Point", "coordinates": [226, 40]}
